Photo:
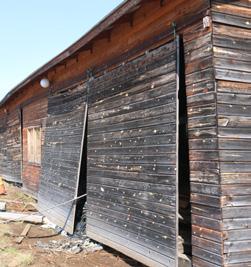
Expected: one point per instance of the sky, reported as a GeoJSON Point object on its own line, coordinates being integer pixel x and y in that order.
{"type": "Point", "coordinates": [33, 32]}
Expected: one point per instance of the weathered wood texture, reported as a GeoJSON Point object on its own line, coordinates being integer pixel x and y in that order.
{"type": "Point", "coordinates": [203, 153]}
{"type": "Point", "coordinates": [10, 147]}
{"type": "Point", "coordinates": [3, 125]}
{"type": "Point", "coordinates": [34, 115]}
{"type": "Point", "coordinates": [131, 177]}
{"type": "Point", "coordinates": [61, 155]}
{"type": "Point", "coordinates": [232, 65]}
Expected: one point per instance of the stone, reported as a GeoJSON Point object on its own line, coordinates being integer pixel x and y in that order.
{"type": "Point", "coordinates": [76, 249]}
{"type": "Point", "coordinates": [2, 206]}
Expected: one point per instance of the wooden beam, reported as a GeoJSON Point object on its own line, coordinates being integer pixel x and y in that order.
{"type": "Point", "coordinates": [17, 217]}
{"type": "Point", "coordinates": [23, 234]}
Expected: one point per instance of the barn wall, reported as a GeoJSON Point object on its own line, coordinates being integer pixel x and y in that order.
{"type": "Point", "coordinates": [34, 115]}
{"type": "Point", "coordinates": [132, 186]}
{"type": "Point", "coordinates": [149, 21]}
{"type": "Point", "coordinates": [232, 65]}
{"type": "Point", "coordinates": [61, 155]}
{"type": "Point", "coordinates": [3, 125]}
{"type": "Point", "coordinates": [203, 154]}
{"type": "Point", "coordinates": [11, 133]}
{"type": "Point", "coordinates": [153, 19]}
{"type": "Point", "coordinates": [202, 94]}
{"type": "Point", "coordinates": [10, 151]}
{"type": "Point", "coordinates": [128, 37]}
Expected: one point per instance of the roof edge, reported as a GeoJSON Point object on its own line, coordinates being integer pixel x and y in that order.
{"type": "Point", "coordinates": [101, 26]}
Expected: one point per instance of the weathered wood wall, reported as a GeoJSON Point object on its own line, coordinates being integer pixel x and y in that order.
{"type": "Point", "coordinates": [10, 125]}
{"type": "Point", "coordinates": [218, 90]}
{"type": "Point", "coordinates": [3, 125]}
{"type": "Point", "coordinates": [232, 66]}
{"type": "Point", "coordinates": [61, 154]}
{"type": "Point", "coordinates": [203, 153]}
{"type": "Point", "coordinates": [143, 28]}
{"type": "Point", "coordinates": [10, 152]}
{"type": "Point", "coordinates": [34, 115]}
{"type": "Point", "coordinates": [218, 83]}
{"type": "Point", "coordinates": [132, 157]}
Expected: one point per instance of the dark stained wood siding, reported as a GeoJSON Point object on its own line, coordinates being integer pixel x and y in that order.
{"type": "Point", "coordinates": [3, 125]}
{"type": "Point", "coordinates": [232, 66]}
{"type": "Point", "coordinates": [34, 115]}
{"type": "Point", "coordinates": [132, 177]}
{"type": "Point", "coordinates": [203, 147]}
{"type": "Point", "coordinates": [10, 152]}
{"type": "Point", "coordinates": [61, 155]}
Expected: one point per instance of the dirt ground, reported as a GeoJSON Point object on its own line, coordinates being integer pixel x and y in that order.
{"type": "Point", "coordinates": [27, 254]}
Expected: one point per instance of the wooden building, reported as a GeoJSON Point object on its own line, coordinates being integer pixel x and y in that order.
{"type": "Point", "coordinates": [22, 111]}
{"type": "Point", "coordinates": [149, 113]}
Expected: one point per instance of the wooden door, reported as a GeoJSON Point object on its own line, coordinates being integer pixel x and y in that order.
{"type": "Point", "coordinates": [132, 183]}
{"type": "Point", "coordinates": [61, 156]}
{"type": "Point", "coordinates": [33, 118]}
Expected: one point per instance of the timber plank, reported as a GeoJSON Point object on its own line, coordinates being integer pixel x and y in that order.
{"type": "Point", "coordinates": [233, 20]}
{"type": "Point", "coordinates": [127, 244]}
{"type": "Point", "coordinates": [166, 220]}
{"type": "Point", "coordinates": [206, 233]}
{"type": "Point", "coordinates": [167, 240]}
{"type": "Point", "coordinates": [207, 255]}
{"type": "Point", "coordinates": [228, 8]}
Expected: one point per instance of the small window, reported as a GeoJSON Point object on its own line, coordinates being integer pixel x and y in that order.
{"type": "Point", "coordinates": [34, 145]}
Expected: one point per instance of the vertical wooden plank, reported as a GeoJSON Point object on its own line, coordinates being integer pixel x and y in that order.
{"type": "Point", "coordinates": [178, 82]}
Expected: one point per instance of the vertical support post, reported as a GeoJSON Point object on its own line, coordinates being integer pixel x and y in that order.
{"type": "Point", "coordinates": [81, 151]}
{"type": "Point", "coordinates": [20, 114]}
{"type": "Point", "coordinates": [178, 80]}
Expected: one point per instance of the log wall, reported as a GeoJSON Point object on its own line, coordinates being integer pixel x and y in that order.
{"type": "Point", "coordinates": [232, 66]}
